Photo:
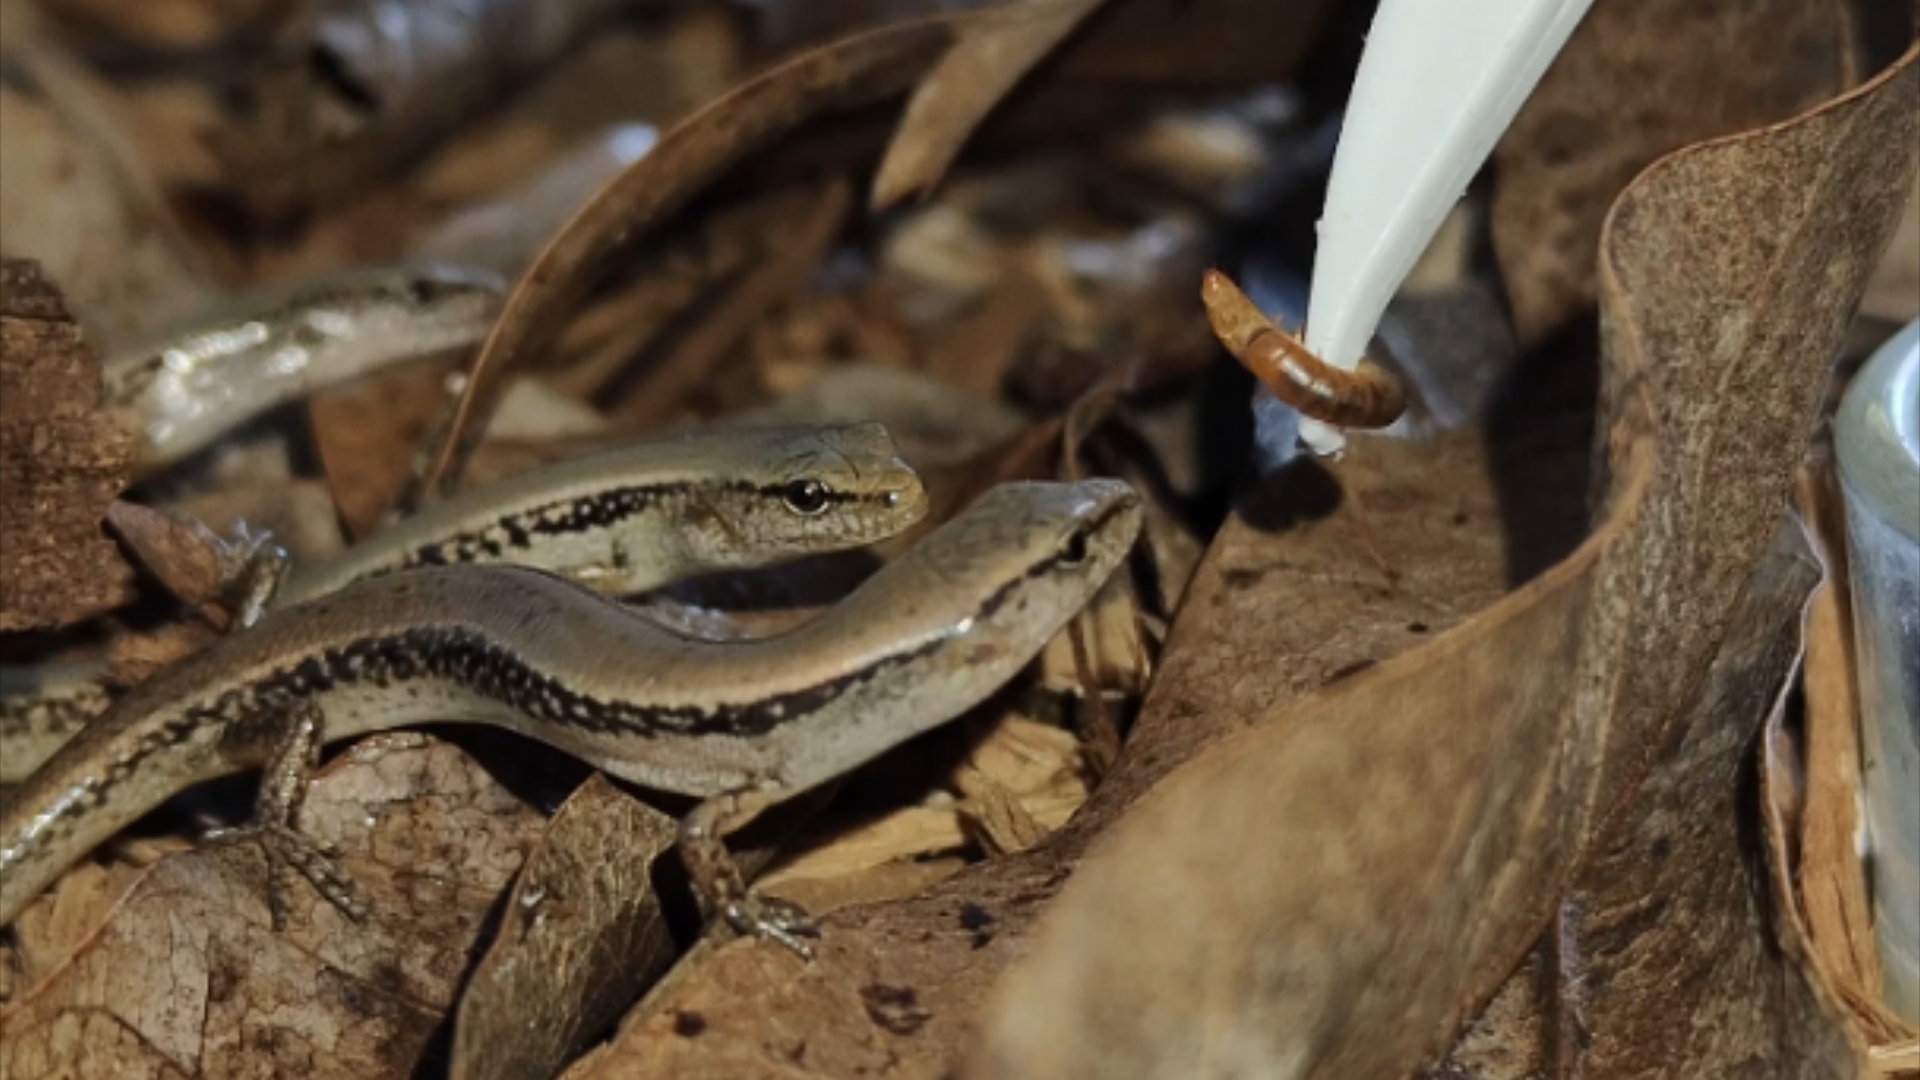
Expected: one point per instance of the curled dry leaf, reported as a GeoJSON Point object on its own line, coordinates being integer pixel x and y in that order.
{"type": "Point", "coordinates": [1665, 966]}
{"type": "Point", "coordinates": [1659, 964]}
{"type": "Point", "coordinates": [689, 158]}
{"type": "Point", "coordinates": [992, 54]}
{"type": "Point", "coordinates": [62, 461]}
{"type": "Point", "coordinates": [583, 934]}
{"type": "Point", "coordinates": [188, 977]}
{"type": "Point", "coordinates": [1636, 81]}
{"type": "Point", "coordinates": [1415, 828]}
{"type": "Point", "coordinates": [1810, 789]}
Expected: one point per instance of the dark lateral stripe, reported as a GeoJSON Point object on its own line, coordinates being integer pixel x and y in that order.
{"type": "Point", "coordinates": [602, 510]}
{"type": "Point", "coordinates": [481, 665]}
{"type": "Point", "coordinates": [69, 710]}
{"type": "Point", "coordinates": [560, 517]}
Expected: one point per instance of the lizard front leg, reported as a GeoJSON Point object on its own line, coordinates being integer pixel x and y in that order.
{"type": "Point", "coordinates": [282, 786]}
{"type": "Point", "coordinates": [717, 878]}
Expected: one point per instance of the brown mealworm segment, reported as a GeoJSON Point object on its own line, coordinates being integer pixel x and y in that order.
{"type": "Point", "coordinates": [1368, 397]}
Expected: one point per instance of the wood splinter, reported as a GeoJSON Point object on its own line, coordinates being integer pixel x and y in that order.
{"type": "Point", "coordinates": [1367, 397]}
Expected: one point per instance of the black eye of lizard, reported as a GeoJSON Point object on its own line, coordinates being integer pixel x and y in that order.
{"type": "Point", "coordinates": [421, 290]}
{"type": "Point", "coordinates": [805, 496]}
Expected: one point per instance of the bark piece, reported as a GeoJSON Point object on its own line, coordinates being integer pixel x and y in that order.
{"type": "Point", "coordinates": [62, 462]}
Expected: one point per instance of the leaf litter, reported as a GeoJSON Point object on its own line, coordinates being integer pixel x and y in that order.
{"type": "Point", "coordinates": [1478, 781]}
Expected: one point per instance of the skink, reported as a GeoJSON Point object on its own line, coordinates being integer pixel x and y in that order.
{"type": "Point", "coordinates": [183, 391]}
{"type": "Point", "coordinates": [41, 707]}
{"type": "Point", "coordinates": [635, 519]}
{"type": "Point", "coordinates": [621, 523]}
{"type": "Point", "coordinates": [741, 725]}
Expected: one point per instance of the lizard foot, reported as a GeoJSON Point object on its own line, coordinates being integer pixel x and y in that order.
{"type": "Point", "coordinates": [286, 849]}
{"type": "Point", "coordinates": [773, 919]}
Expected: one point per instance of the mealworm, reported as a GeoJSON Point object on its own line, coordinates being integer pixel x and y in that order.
{"type": "Point", "coordinates": [1367, 397]}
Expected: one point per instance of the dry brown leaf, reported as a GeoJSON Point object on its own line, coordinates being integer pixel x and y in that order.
{"type": "Point", "coordinates": [1417, 825]}
{"type": "Point", "coordinates": [1367, 794]}
{"type": "Point", "coordinates": [48, 933]}
{"type": "Point", "coordinates": [698, 260]}
{"type": "Point", "coordinates": [133, 658]}
{"type": "Point", "coordinates": [1035, 766]}
{"type": "Point", "coordinates": [1863, 1017]}
{"type": "Point", "coordinates": [583, 934]}
{"type": "Point", "coordinates": [190, 560]}
{"type": "Point", "coordinates": [878, 881]}
{"type": "Point", "coordinates": [663, 391]}
{"type": "Point", "coordinates": [1810, 791]}
{"type": "Point", "coordinates": [368, 434]}
{"type": "Point", "coordinates": [688, 159]}
{"type": "Point", "coordinates": [62, 461]}
{"type": "Point", "coordinates": [1635, 81]}
{"type": "Point", "coordinates": [188, 974]}
{"type": "Point", "coordinates": [1313, 607]}
{"type": "Point", "coordinates": [1233, 43]}
{"type": "Point", "coordinates": [1661, 965]}
{"type": "Point", "coordinates": [1105, 652]}
{"type": "Point", "coordinates": [915, 835]}
{"type": "Point", "coordinates": [992, 54]}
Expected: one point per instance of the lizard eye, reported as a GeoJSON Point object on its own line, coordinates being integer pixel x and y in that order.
{"type": "Point", "coordinates": [807, 497]}
{"type": "Point", "coordinates": [422, 290]}
{"type": "Point", "coordinates": [1074, 551]}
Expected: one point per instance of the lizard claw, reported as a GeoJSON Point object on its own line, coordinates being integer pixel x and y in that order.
{"type": "Point", "coordinates": [773, 919]}
{"type": "Point", "coordinates": [286, 849]}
